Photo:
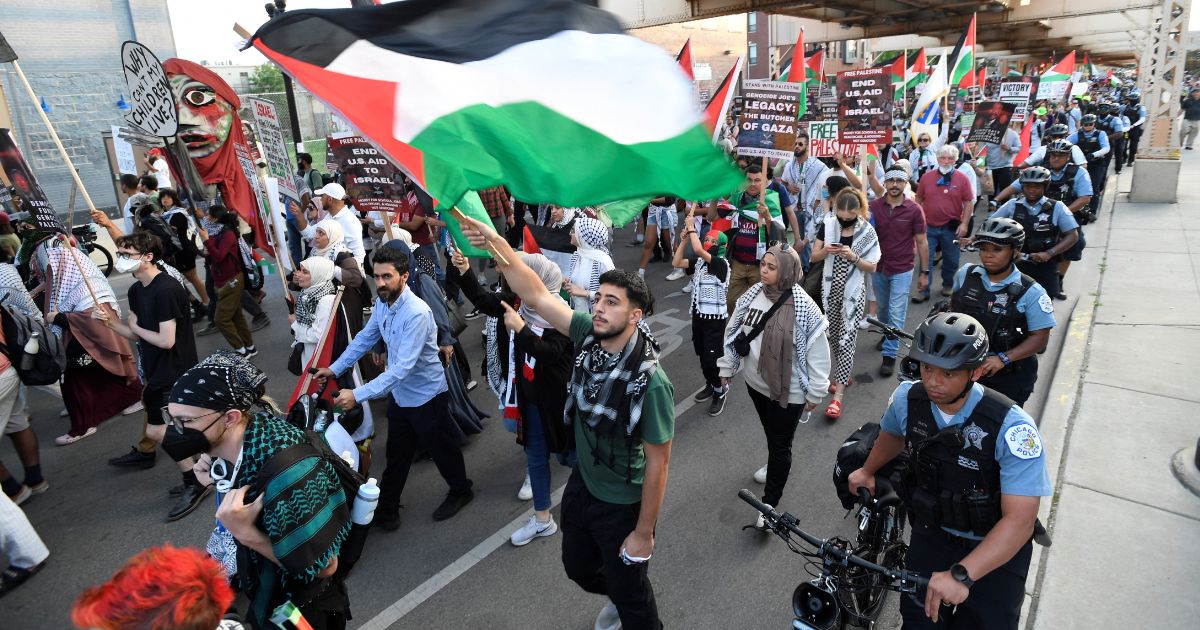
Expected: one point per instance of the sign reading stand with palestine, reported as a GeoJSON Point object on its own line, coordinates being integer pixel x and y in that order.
{"type": "Point", "coordinates": [864, 106]}
{"type": "Point", "coordinates": [767, 127]}
{"type": "Point", "coordinates": [153, 109]}
{"type": "Point", "coordinates": [274, 149]}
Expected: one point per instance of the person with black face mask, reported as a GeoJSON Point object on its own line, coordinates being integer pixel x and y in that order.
{"type": "Point", "coordinates": [210, 416]}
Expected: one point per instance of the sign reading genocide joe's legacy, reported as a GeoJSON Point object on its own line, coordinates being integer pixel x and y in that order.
{"type": "Point", "coordinates": [767, 126]}
{"type": "Point", "coordinates": [274, 149]}
{"type": "Point", "coordinates": [153, 109]}
{"type": "Point", "coordinates": [864, 106]}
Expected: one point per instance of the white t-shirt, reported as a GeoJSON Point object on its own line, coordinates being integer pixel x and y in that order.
{"type": "Point", "coordinates": [163, 173]}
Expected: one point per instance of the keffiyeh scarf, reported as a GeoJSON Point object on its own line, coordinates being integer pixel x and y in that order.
{"type": "Point", "coordinates": [13, 293]}
{"type": "Point", "coordinates": [607, 388]}
{"type": "Point", "coordinates": [590, 260]}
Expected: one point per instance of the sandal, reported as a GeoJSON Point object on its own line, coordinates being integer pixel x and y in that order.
{"type": "Point", "coordinates": [834, 410]}
{"type": "Point", "coordinates": [67, 438]}
{"type": "Point", "coordinates": [12, 577]}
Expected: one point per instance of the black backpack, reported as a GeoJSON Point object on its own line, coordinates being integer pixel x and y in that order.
{"type": "Point", "coordinates": [51, 358]}
{"type": "Point", "coordinates": [853, 454]}
{"type": "Point", "coordinates": [155, 225]}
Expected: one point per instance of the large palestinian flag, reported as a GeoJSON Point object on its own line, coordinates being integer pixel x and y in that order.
{"type": "Point", "coordinates": [962, 60]}
{"type": "Point", "coordinates": [915, 74]}
{"type": "Point", "coordinates": [548, 97]}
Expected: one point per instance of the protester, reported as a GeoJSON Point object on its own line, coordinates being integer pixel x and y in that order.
{"type": "Point", "coordinates": [946, 196]}
{"type": "Point", "coordinates": [710, 284]}
{"type": "Point", "coordinates": [418, 406]}
{"type": "Point", "coordinates": [621, 408]}
{"type": "Point", "coordinates": [922, 158]}
{"type": "Point", "coordinates": [184, 226]}
{"type": "Point", "coordinates": [787, 369]}
{"type": "Point", "coordinates": [289, 528]}
{"type": "Point", "coordinates": [161, 171]}
{"type": "Point", "coordinates": [999, 159]}
{"type": "Point", "coordinates": [20, 543]}
{"type": "Point", "coordinates": [129, 187]}
{"type": "Point", "coordinates": [161, 588]}
{"type": "Point", "coordinates": [225, 264]}
{"type": "Point", "coordinates": [847, 235]}
{"type": "Point", "coordinates": [590, 261]}
{"type": "Point", "coordinates": [758, 207]}
{"type": "Point", "coordinates": [333, 201]}
{"type": "Point", "coordinates": [528, 365]}
{"type": "Point", "coordinates": [900, 226]}
{"type": "Point", "coordinates": [499, 208]}
{"type": "Point", "coordinates": [314, 304]}
{"type": "Point", "coordinates": [329, 242]}
{"type": "Point", "coordinates": [661, 219]}
{"type": "Point", "coordinates": [10, 241]}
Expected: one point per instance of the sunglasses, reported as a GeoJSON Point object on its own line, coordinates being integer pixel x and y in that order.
{"type": "Point", "coordinates": [178, 422]}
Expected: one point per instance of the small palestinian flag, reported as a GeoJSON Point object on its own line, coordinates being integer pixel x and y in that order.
{"type": "Point", "coordinates": [962, 60]}
{"type": "Point", "coordinates": [684, 59]}
{"type": "Point", "coordinates": [915, 74]}
{"type": "Point", "coordinates": [1062, 70]}
{"type": "Point", "coordinates": [545, 97]}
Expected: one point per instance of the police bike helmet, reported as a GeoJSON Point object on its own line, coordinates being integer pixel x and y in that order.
{"type": "Point", "coordinates": [1035, 175]}
{"type": "Point", "coordinates": [1058, 131]}
{"type": "Point", "coordinates": [1059, 146]}
{"type": "Point", "coordinates": [1002, 231]}
{"type": "Point", "coordinates": [1088, 119]}
{"type": "Point", "coordinates": [950, 341]}
{"type": "Point", "coordinates": [1104, 109]}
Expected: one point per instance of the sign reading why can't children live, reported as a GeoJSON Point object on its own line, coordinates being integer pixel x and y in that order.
{"type": "Point", "coordinates": [153, 109]}
{"type": "Point", "coordinates": [767, 126]}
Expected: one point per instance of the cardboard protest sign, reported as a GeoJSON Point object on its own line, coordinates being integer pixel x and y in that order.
{"type": "Point", "coordinates": [767, 127]}
{"type": "Point", "coordinates": [1017, 92]}
{"type": "Point", "coordinates": [374, 182]}
{"type": "Point", "coordinates": [827, 103]}
{"type": "Point", "coordinates": [864, 106]}
{"type": "Point", "coordinates": [823, 139]}
{"type": "Point", "coordinates": [153, 108]}
{"type": "Point", "coordinates": [274, 149]}
{"type": "Point", "coordinates": [1053, 90]}
{"type": "Point", "coordinates": [26, 195]}
{"type": "Point", "coordinates": [247, 164]}
{"type": "Point", "coordinates": [991, 121]}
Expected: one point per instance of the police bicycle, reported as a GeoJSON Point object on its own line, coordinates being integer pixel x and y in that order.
{"type": "Point", "coordinates": [908, 369]}
{"type": "Point", "coordinates": [849, 588]}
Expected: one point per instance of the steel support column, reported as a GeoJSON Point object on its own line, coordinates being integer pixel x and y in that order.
{"type": "Point", "coordinates": [1160, 77]}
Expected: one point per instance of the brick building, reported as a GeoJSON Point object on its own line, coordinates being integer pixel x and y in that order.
{"type": "Point", "coordinates": [771, 38]}
{"type": "Point", "coordinates": [71, 53]}
{"type": "Point", "coordinates": [716, 44]}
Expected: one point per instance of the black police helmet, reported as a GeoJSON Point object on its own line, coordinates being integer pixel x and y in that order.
{"type": "Point", "coordinates": [1058, 130]}
{"type": "Point", "coordinates": [950, 341]}
{"type": "Point", "coordinates": [1059, 146]}
{"type": "Point", "coordinates": [1104, 108]}
{"type": "Point", "coordinates": [1002, 231]}
{"type": "Point", "coordinates": [1088, 119]}
{"type": "Point", "coordinates": [1035, 175]}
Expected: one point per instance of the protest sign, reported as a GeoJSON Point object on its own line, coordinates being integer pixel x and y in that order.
{"type": "Point", "coordinates": [767, 126]}
{"type": "Point", "coordinates": [274, 149]}
{"type": "Point", "coordinates": [974, 94]}
{"type": "Point", "coordinates": [1017, 92]}
{"type": "Point", "coordinates": [991, 121]}
{"type": "Point", "coordinates": [247, 163]}
{"type": "Point", "coordinates": [373, 181]}
{"type": "Point", "coordinates": [864, 106]}
{"type": "Point", "coordinates": [126, 162]}
{"type": "Point", "coordinates": [823, 139]}
{"type": "Point", "coordinates": [26, 195]}
{"type": "Point", "coordinates": [1053, 90]}
{"type": "Point", "coordinates": [153, 108]}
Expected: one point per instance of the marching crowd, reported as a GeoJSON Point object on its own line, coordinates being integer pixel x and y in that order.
{"type": "Point", "coordinates": [781, 276]}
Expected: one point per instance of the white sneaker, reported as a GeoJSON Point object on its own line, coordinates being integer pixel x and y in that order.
{"type": "Point", "coordinates": [863, 325]}
{"type": "Point", "coordinates": [134, 408]}
{"type": "Point", "coordinates": [676, 274]}
{"type": "Point", "coordinates": [760, 475]}
{"type": "Point", "coordinates": [687, 288]}
{"type": "Point", "coordinates": [533, 529]}
{"type": "Point", "coordinates": [526, 491]}
{"type": "Point", "coordinates": [761, 523]}
{"type": "Point", "coordinates": [609, 618]}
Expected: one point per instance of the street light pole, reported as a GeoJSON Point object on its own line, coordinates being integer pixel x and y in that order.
{"type": "Point", "coordinates": [277, 8]}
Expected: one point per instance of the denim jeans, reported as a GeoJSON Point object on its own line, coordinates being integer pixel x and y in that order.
{"type": "Point", "coordinates": [891, 293]}
{"type": "Point", "coordinates": [537, 457]}
{"type": "Point", "coordinates": [295, 242]}
{"type": "Point", "coordinates": [945, 239]}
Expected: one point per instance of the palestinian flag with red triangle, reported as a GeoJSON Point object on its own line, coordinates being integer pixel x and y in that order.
{"type": "Point", "coordinates": [684, 59]}
{"type": "Point", "coordinates": [718, 105]}
{"type": "Point", "coordinates": [915, 72]}
{"type": "Point", "coordinates": [962, 60]}
{"type": "Point", "coordinates": [1062, 70]}
{"type": "Point", "coordinates": [544, 97]}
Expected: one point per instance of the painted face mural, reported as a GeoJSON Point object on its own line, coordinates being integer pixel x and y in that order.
{"type": "Point", "coordinates": [204, 117]}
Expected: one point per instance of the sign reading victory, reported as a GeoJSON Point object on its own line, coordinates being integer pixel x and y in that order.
{"type": "Point", "coordinates": [1017, 92]}
{"type": "Point", "coordinates": [770, 110]}
{"type": "Point", "coordinates": [864, 106]}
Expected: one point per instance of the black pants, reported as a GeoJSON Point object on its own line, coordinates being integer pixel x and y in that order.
{"type": "Point", "coordinates": [1135, 135]}
{"type": "Point", "coordinates": [248, 303]}
{"type": "Point", "coordinates": [1015, 381]}
{"type": "Point", "coordinates": [592, 534]}
{"type": "Point", "coordinates": [431, 426]}
{"type": "Point", "coordinates": [779, 425]}
{"type": "Point", "coordinates": [995, 600]}
{"type": "Point", "coordinates": [1119, 153]}
{"type": "Point", "coordinates": [1098, 171]}
{"type": "Point", "coordinates": [515, 232]}
{"type": "Point", "coordinates": [708, 339]}
{"type": "Point", "coordinates": [1001, 178]}
{"type": "Point", "coordinates": [1046, 274]}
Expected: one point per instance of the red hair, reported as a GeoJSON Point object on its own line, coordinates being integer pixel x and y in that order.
{"type": "Point", "coordinates": [161, 588]}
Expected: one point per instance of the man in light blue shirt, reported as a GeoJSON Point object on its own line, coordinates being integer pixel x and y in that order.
{"type": "Point", "coordinates": [999, 159]}
{"type": "Point", "coordinates": [418, 411]}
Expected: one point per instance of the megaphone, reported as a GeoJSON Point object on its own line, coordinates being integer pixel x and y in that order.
{"type": "Point", "coordinates": [815, 608]}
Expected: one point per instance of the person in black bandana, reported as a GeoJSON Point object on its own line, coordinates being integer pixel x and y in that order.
{"type": "Point", "coordinates": [620, 407]}
{"type": "Point", "coordinates": [209, 416]}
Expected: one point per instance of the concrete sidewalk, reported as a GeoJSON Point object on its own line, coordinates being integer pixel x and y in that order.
{"type": "Point", "coordinates": [1123, 401]}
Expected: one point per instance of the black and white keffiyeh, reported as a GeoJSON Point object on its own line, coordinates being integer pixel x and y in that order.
{"type": "Point", "coordinates": [607, 387]}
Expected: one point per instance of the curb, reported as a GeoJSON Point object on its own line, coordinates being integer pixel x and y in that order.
{"type": "Point", "coordinates": [1183, 464]}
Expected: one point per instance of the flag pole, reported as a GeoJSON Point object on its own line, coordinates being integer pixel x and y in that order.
{"type": "Point", "coordinates": [306, 381]}
{"type": "Point", "coordinates": [462, 218]}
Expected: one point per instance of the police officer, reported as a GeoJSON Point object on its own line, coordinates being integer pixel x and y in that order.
{"type": "Point", "coordinates": [1050, 228]}
{"type": "Point", "coordinates": [1094, 144]}
{"type": "Point", "coordinates": [1136, 113]}
{"type": "Point", "coordinates": [1015, 311]}
{"type": "Point", "coordinates": [1108, 123]}
{"type": "Point", "coordinates": [1055, 132]}
{"type": "Point", "coordinates": [975, 478]}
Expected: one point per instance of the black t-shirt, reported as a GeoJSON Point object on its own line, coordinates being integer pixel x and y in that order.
{"type": "Point", "coordinates": [164, 300]}
{"type": "Point", "coordinates": [179, 223]}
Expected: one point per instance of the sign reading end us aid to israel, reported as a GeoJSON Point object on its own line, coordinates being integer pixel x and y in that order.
{"type": "Point", "coordinates": [767, 126]}
{"type": "Point", "coordinates": [864, 106]}
{"type": "Point", "coordinates": [270, 140]}
{"type": "Point", "coordinates": [153, 109]}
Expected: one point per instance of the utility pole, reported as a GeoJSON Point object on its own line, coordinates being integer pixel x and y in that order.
{"type": "Point", "coordinates": [277, 8]}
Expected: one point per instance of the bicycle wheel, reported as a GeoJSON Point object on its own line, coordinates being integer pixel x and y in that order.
{"type": "Point", "coordinates": [100, 256]}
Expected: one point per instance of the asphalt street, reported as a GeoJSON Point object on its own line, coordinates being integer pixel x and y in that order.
{"type": "Point", "coordinates": [462, 573]}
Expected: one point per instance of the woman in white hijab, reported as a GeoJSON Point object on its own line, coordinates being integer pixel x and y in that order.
{"type": "Point", "coordinates": [314, 304]}
{"type": "Point", "coordinates": [591, 258]}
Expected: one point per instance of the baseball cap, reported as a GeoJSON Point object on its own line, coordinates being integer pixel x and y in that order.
{"type": "Point", "coordinates": [334, 190]}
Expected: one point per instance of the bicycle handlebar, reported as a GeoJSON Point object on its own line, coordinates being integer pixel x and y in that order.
{"type": "Point", "coordinates": [895, 332]}
{"type": "Point", "coordinates": [823, 548]}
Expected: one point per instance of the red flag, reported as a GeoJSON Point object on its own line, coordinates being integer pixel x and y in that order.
{"type": "Point", "coordinates": [1026, 132]}
{"type": "Point", "coordinates": [685, 59]}
{"type": "Point", "coordinates": [528, 243]}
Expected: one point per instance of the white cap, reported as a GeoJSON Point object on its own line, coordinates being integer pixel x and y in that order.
{"type": "Point", "coordinates": [334, 190]}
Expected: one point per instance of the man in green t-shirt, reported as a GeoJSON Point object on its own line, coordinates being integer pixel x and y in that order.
{"type": "Point", "coordinates": [621, 408]}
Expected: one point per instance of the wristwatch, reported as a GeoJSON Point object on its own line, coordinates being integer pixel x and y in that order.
{"type": "Point", "coordinates": [959, 573]}
{"type": "Point", "coordinates": [1004, 358]}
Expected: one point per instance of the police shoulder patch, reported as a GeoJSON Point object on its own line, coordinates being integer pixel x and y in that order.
{"type": "Point", "coordinates": [1023, 441]}
{"type": "Point", "coordinates": [1046, 305]}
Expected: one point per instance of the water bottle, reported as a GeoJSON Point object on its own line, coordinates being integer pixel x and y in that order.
{"type": "Point", "coordinates": [364, 504]}
{"type": "Point", "coordinates": [32, 346]}
{"type": "Point", "coordinates": [321, 421]}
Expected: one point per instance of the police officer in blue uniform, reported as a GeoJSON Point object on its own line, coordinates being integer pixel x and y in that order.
{"type": "Point", "coordinates": [1110, 124]}
{"type": "Point", "coordinates": [1015, 311]}
{"type": "Point", "coordinates": [1136, 113]}
{"type": "Point", "coordinates": [974, 481]}
{"type": "Point", "coordinates": [1050, 228]}
{"type": "Point", "coordinates": [1094, 144]}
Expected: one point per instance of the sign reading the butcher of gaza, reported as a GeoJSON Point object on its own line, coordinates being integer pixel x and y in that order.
{"type": "Point", "coordinates": [153, 108]}
{"type": "Point", "coordinates": [767, 127]}
{"type": "Point", "coordinates": [864, 106]}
